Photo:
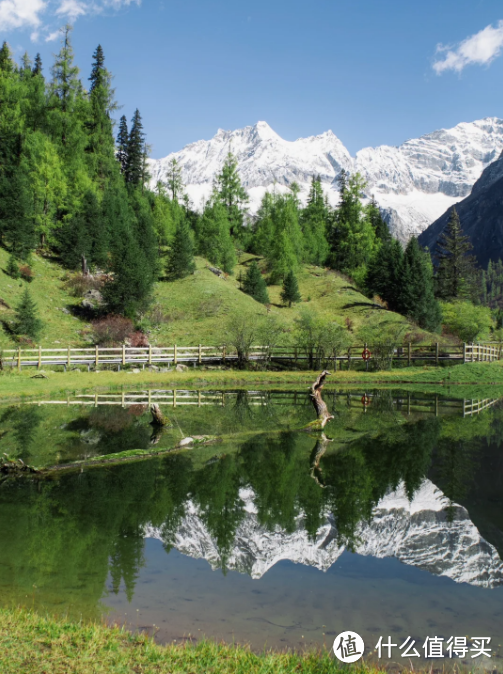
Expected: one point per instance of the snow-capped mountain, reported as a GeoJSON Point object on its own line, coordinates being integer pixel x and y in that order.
{"type": "Point", "coordinates": [416, 532]}
{"type": "Point", "coordinates": [413, 183]}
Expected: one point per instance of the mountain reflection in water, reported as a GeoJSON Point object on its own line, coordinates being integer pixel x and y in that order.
{"type": "Point", "coordinates": [396, 481]}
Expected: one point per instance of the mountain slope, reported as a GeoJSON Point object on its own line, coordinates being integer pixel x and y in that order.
{"type": "Point", "coordinates": [414, 183]}
{"type": "Point", "coordinates": [481, 215]}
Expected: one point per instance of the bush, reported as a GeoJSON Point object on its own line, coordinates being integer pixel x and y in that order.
{"type": "Point", "coordinates": [468, 322]}
{"type": "Point", "coordinates": [26, 273]}
{"type": "Point", "coordinates": [138, 340]}
{"type": "Point", "coordinates": [111, 330]}
{"type": "Point", "coordinates": [78, 285]}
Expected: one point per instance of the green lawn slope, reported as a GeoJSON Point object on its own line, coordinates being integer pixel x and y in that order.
{"type": "Point", "coordinates": [190, 311]}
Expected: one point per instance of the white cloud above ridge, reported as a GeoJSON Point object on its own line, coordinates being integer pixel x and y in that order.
{"type": "Point", "coordinates": [478, 49]}
{"type": "Point", "coordinates": [40, 15]}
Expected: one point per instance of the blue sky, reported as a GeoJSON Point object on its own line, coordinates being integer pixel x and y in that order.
{"type": "Point", "coordinates": [373, 71]}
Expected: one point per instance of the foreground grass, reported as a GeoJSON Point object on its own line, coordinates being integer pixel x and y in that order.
{"type": "Point", "coordinates": [14, 385]}
{"type": "Point", "coordinates": [30, 644]}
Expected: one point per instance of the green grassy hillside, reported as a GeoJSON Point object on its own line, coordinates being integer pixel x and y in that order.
{"type": "Point", "coordinates": [190, 311]}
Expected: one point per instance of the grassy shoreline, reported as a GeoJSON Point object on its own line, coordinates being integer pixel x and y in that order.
{"type": "Point", "coordinates": [478, 377]}
{"type": "Point", "coordinates": [33, 644]}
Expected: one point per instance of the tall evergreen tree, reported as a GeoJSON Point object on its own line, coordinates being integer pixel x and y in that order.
{"type": "Point", "coordinates": [181, 255]}
{"type": "Point", "coordinates": [353, 239]}
{"type": "Point", "coordinates": [314, 225]}
{"type": "Point", "coordinates": [255, 285]}
{"type": "Point", "coordinates": [175, 182]}
{"type": "Point", "coordinates": [6, 62]}
{"type": "Point", "coordinates": [417, 298]}
{"type": "Point", "coordinates": [101, 147]}
{"type": "Point", "coordinates": [135, 151]}
{"type": "Point", "coordinates": [231, 194]}
{"type": "Point", "coordinates": [26, 320]}
{"type": "Point", "coordinates": [290, 292]}
{"type": "Point", "coordinates": [455, 277]}
{"type": "Point", "coordinates": [214, 240]}
{"type": "Point", "coordinates": [373, 213]}
{"type": "Point", "coordinates": [37, 66]}
{"type": "Point", "coordinates": [122, 144]}
{"type": "Point", "coordinates": [385, 274]}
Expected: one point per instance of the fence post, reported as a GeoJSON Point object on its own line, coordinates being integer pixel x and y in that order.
{"type": "Point", "coordinates": [349, 358]}
{"type": "Point", "coordinates": [97, 358]}
{"type": "Point", "coordinates": [69, 359]}
{"type": "Point", "coordinates": [223, 355]}
{"type": "Point", "coordinates": [174, 397]}
{"type": "Point", "coordinates": [409, 354]}
{"type": "Point", "coordinates": [123, 354]}
{"type": "Point", "coordinates": [335, 361]}
{"type": "Point", "coordinates": [436, 353]}
{"type": "Point", "coordinates": [19, 359]}
{"type": "Point", "coordinates": [472, 352]}
{"type": "Point", "coordinates": [39, 356]}
{"type": "Point", "coordinates": [200, 356]}
{"type": "Point", "coordinates": [175, 359]}
{"type": "Point", "coordinates": [464, 353]}
{"type": "Point", "coordinates": [150, 354]}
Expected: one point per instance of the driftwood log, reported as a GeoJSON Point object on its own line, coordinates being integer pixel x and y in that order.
{"type": "Point", "coordinates": [320, 405]}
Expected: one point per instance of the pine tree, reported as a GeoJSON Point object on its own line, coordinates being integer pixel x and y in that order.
{"type": "Point", "coordinates": [290, 292]}
{"type": "Point", "coordinates": [231, 194]}
{"type": "Point", "coordinates": [26, 321]}
{"type": "Point", "coordinates": [181, 255]}
{"type": "Point", "coordinates": [456, 268]}
{"type": "Point", "coordinates": [175, 182]}
{"type": "Point", "coordinates": [417, 298]}
{"type": "Point", "coordinates": [313, 221]}
{"type": "Point", "coordinates": [385, 274]}
{"type": "Point", "coordinates": [122, 144]}
{"type": "Point", "coordinates": [214, 240]}
{"type": "Point", "coordinates": [255, 285]}
{"type": "Point", "coordinates": [135, 151]}
{"type": "Point", "coordinates": [101, 147]}
{"type": "Point", "coordinates": [373, 213]}
{"type": "Point", "coordinates": [37, 67]}
{"type": "Point", "coordinates": [6, 62]}
{"type": "Point", "coordinates": [353, 239]}
{"type": "Point", "coordinates": [13, 267]}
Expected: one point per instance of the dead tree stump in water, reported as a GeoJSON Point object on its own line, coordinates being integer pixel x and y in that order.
{"type": "Point", "coordinates": [320, 405]}
{"type": "Point", "coordinates": [158, 418]}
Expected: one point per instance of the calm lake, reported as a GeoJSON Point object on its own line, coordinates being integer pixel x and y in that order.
{"type": "Point", "coordinates": [390, 524]}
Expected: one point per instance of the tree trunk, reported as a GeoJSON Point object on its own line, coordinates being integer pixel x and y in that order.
{"type": "Point", "coordinates": [85, 268]}
{"type": "Point", "coordinates": [320, 405]}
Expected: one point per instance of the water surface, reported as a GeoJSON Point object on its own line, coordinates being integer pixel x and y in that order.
{"type": "Point", "coordinates": [390, 524]}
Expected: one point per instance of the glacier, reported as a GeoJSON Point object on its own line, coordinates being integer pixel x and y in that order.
{"type": "Point", "coordinates": [416, 532]}
{"type": "Point", "coordinates": [413, 183]}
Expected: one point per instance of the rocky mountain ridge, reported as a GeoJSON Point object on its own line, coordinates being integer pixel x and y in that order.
{"type": "Point", "coordinates": [416, 532]}
{"type": "Point", "coordinates": [413, 183]}
{"type": "Point", "coordinates": [481, 216]}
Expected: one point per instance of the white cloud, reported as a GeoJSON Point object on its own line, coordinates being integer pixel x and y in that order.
{"type": "Point", "coordinates": [41, 15]}
{"type": "Point", "coordinates": [71, 9]}
{"type": "Point", "coordinates": [480, 49]}
{"type": "Point", "coordinates": [20, 13]}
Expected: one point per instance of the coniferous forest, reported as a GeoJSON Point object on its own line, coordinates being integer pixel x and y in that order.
{"type": "Point", "coordinates": [75, 185]}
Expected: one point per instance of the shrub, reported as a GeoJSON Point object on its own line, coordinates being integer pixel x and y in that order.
{"type": "Point", "coordinates": [78, 284]}
{"type": "Point", "coordinates": [468, 322]}
{"type": "Point", "coordinates": [26, 273]}
{"type": "Point", "coordinates": [138, 340]}
{"type": "Point", "coordinates": [111, 330]}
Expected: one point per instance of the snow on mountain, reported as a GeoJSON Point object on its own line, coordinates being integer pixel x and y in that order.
{"type": "Point", "coordinates": [414, 183]}
{"type": "Point", "coordinates": [416, 532]}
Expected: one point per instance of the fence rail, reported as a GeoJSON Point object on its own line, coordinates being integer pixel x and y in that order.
{"type": "Point", "coordinates": [198, 355]}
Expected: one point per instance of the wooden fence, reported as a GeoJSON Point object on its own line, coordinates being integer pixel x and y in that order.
{"type": "Point", "coordinates": [198, 355]}
{"type": "Point", "coordinates": [359, 400]}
